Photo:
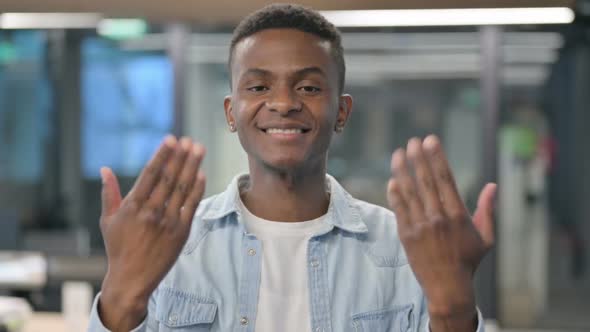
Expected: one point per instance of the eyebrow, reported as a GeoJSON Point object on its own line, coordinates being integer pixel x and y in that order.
{"type": "Point", "coordinates": [300, 72]}
{"type": "Point", "coordinates": [257, 71]}
{"type": "Point", "coordinates": [310, 70]}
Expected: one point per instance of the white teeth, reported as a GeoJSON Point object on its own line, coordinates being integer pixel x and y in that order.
{"type": "Point", "coordinates": [283, 131]}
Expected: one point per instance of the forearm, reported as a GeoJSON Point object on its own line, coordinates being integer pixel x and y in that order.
{"type": "Point", "coordinates": [457, 313]}
{"type": "Point", "coordinates": [460, 322]}
{"type": "Point", "coordinates": [117, 314]}
{"type": "Point", "coordinates": [96, 324]}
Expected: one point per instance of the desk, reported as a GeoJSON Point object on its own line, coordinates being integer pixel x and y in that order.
{"type": "Point", "coordinates": [22, 270]}
{"type": "Point", "coordinates": [48, 322]}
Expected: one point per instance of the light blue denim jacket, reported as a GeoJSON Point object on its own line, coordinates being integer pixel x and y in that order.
{"type": "Point", "coordinates": [359, 276]}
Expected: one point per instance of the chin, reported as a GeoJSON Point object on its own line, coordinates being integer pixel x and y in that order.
{"type": "Point", "coordinates": [285, 163]}
{"type": "Point", "coordinates": [294, 163]}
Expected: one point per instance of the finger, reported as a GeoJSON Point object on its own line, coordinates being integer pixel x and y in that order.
{"type": "Point", "coordinates": [424, 178]}
{"type": "Point", "coordinates": [187, 179]}
{"type": "Point", "coordinates": [169, 176]}
{"type": "Point", "coordinates": [483, 218]}
{"type": "Point", "coordinates": [192, 201]}
{"type": "Point", "coordinates": [443, 178]}
{"type": "Point", "coordinates": [407, 186]}
{"type": "Point", "coordinates": [111, 194]}
{"type": "Point", "coordinates": [397, 203]}
{"type": "Point", "coordinates": [151, 172]}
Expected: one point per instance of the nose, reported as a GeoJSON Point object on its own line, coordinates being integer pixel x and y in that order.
{"type": "Point", "coordinates": [284, 101]}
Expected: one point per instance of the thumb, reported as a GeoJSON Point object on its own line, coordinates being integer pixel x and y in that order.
{"type": "Point", "coordinates": [111, 194]}
{"type": "Point", "coordinates": [483, 218]}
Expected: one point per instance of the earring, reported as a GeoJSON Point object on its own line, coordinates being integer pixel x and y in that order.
{"type": "Point", "coordinates": [339, 128]}
{"type": "Point", "coordinates": [232, 127]}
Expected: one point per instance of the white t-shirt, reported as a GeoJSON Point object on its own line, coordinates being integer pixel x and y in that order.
{"type": "Point", "coordinates": [283, 300]}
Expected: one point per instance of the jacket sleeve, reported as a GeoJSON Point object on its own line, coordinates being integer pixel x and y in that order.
{"type": "Point", "coordinates": [149, 324]}
{"type": "Point", "coordinates": [424, 325]}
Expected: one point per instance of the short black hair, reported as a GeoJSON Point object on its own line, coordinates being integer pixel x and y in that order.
{"type": "Point", "coordinates": [290, 16]}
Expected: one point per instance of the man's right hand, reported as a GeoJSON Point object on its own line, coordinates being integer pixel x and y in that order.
{"type": "Point", "coordinates": [145, 231]}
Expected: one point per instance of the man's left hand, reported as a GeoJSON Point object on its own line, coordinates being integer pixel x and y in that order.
{"type": "Point", "coordinates": [443, 242]}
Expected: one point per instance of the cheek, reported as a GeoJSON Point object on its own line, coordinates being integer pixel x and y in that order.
{"type": "Point", "coordinates": [327, 119]}
{"type": "Point", "coordinates": [243, 114]}
{"type": "Point", "coordinates": [326, 123]}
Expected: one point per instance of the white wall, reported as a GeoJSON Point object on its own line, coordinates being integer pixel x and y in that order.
{"type": "Point", "coordinates": [206, 86]}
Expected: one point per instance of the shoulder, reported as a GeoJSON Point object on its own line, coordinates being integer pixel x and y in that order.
{"type": "Point", "coordinates": [206, 207]}
{"type": "Point", "coordinates": [378, 219]}
{"type": "Point", "coordinates": [207, 210]}
{"type": "Point", "coordinates": [382, 238]}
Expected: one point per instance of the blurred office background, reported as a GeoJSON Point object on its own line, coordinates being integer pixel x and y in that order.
{"type": "Point", "coordinates": [91, 84]}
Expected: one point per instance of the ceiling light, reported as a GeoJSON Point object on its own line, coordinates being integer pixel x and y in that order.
{"type": "Point", "coordinates": [443, 17]}
{"type": "Point", "coordinates": [122, 28]}
{"type": "Point", "coordinates": [49, 20]}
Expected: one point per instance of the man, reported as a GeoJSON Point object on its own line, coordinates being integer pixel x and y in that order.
{"type": "Point", "coordinates": [285, 248]}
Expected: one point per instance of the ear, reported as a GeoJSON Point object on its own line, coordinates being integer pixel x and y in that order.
{"type": "Point", "coordinates": [227, 105]}
{"type": "Point", "coordinates": [344, 110]}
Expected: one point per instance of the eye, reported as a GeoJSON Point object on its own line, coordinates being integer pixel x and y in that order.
{"type": "Point", "coordinates": [310, 89]}
{"type": "Point", "coordinates": [257, 88]}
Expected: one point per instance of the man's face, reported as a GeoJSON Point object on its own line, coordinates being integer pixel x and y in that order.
{"type": "Point", "coordinates": [285, 101]}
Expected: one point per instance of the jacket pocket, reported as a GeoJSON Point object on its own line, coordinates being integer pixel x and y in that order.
{"type": "Point", "coordinates": [393, 319]}
{"type": "Point", "coordinates": [178, 311]}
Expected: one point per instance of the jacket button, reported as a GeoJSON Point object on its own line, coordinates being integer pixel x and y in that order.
{"type": "Point", "coordinates": [173, 318]}
{"type": "Point", "coordinates": [244, 321]}
{"type": "Point", "coordinates": [315, 263]}
{"type": "Point", "coordinates": [251, 252]}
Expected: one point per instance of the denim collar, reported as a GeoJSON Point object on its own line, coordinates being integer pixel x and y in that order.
{"type": "Point", "coordinates": [343, 211]}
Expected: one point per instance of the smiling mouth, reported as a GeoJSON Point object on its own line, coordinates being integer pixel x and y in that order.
{"type": "Point", "coordinates": [290, 131]}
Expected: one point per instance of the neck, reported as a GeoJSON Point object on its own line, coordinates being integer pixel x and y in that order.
{"type": "Point", "coordinates": [287, 196]}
